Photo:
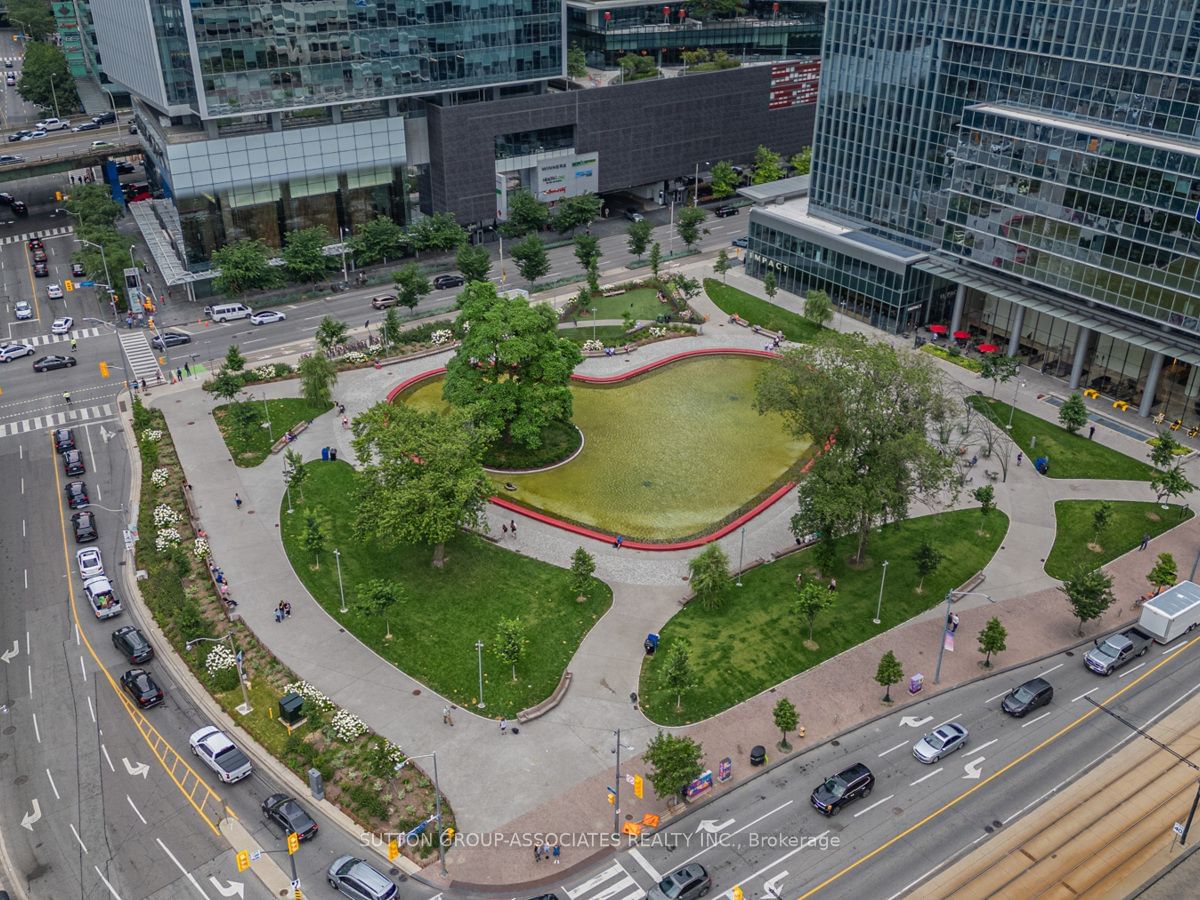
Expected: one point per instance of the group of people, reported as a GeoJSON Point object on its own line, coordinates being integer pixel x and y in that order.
{"type": "Point", "coordinates": [283, 611]}
{"type": "Point", "coordinates": [545, 851]}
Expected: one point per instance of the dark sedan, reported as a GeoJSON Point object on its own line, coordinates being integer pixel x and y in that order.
{"type": "Point", "coordinates": [64, 440]}
{"type": "Point", "coordinates": [441, 282]}
{"type": "Point", "coordinates": [18, 135]}
{"type": "Point", "coordinates": [73, 463]}
{"type": "Point", "coordinates": [84, 524]}
{"type": "Point", "coordinates": [77, 270]}
{"type": "Point", "coordinates": [1025, 699]}
{"type": "Point", "coordinates": [132, 644]}
{"type": "Point", "coordinates": [54, 361]}
{"type": "Point", "coordinates": [723, 212]}
{"type": "Point", "coordinates": [141, 688]}
{"type": "Point", "coordinates": [40, 269]}
{"type": "Point", "coordinates": [289, 815]}
{"type": "Point", "coordinates": [171, 339]}
{"type": "Point", "coordinates": [77, 495]}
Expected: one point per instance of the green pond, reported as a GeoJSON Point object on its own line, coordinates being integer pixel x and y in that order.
{"type": "Point", "coordinates": [666, 455]}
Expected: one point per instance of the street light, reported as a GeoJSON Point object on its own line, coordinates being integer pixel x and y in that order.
{"type": "Point", "coordinates": [696, 183]}
{"type": "Point", "coordinates": [593, 323]}
{"type": "Point", "coordinates": [479, 654]}
{"type": "Point", "coordinates": [437, 799]}
{"type": "Point", "coordinates": [741, 556]}
{"type": "Point", "coordinates": [54, 95]}
{"type": "Point", "coordinates": [104, 260]}
{"type": "Point", "coordinates": [337, 555]}
{"type": "Point", "coordinates": [937, 675]}
{"type": "Point", "coordinates": [617, 785]}
{"type": "Point", "coordinates": [287, 480]}
{"type": "Point", "coordinates": [879, 603]}
{"type": "Point", "coordinates": [245, 708]}
{"type": "Point", "coordinates": [342, 232]}
{"type": "Point", "coordinates": [1012, 409]}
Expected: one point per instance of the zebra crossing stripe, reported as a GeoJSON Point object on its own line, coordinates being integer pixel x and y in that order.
{"type": "Point", "coordinates": [44, 233]}
{"type": "Point", "coordinates": [56, 420]}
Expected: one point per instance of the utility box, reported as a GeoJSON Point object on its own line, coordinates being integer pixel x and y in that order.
{"type": "Point", "coordinates": [291, 708]}
{"type": "Point", "coordinates": [316, 784]}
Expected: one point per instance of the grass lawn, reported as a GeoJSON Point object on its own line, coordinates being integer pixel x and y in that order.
{"type": "Point", "coordinates": [1074, 542]}
{"type": "Point", "coordinates": [757, 640]}
{"type": "Point", "coordinates": [1071, 455]}
{"type": "Point", "coordinates": [732, 300]}
{"type": "Point", "coordinates": [444, 612]}
{"type": "Point", "coordinates": [642, 302]}
{"type": "Point", "coordinates": [611, 335]}
{"type": "Point", "coordinates": [249, 445]}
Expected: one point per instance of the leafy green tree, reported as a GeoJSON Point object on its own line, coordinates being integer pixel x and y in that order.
{"type": "Point", "coordinates": [593, 275]}
{"type": "Point", "coordinates": [43, 65]}
{"type": "Point", "coordinates": [389, 331]}
{"type": "Point", "coordinates": [316, 533]}
{"type": "Point", "coordinates": [656, 258]}
{"type": "Point", "coordinates": [587, 249]}
{"type": "Point", "coordinates": [801, 162]}
{"type": "Point", "coordinates": [583, 567]}
{"type": "Point", "coordinates": [34, 17]}
{"type": "Point", "coordinates": [511, 373]}
{"type": "Point", "coordinates": [768, 166]}
{"type": "Point", "coordinates": [330, 333]}
{"type": "Point", "coordinates": [510, 642]}
{"type": "Point", "coordinates": [245, 418]}
{"type": "Point", "coordinates": [437, 232]}
{"type": "Point", "coordinates": [992, 639]}
{"type": "Point", "coordinates": [1164, 574]}
{"type": "Point", "coordinates": [1165, 451]}
{"type": "Point", "coordinates": [1101, 518]}
{"type": "Point", "coordinates": [304, 254]}
{"type": "Point", "coordinates": [639, 237]}
{"type": "Point", "coordinates": [786, 719]}
{"type": "Point", "coordinates": [92, 206]}
{"type": "Point", "coordinates": [881, 404]}
{"type": "Point", "coordinates": [678, 674]}
{"type": "Point", "coordinates": [986, 498]}
{"type": "Point", "coordinates": [688, 225]}
{"type": "Point", "coordinates": [473, 262]}
{"type": "Point", "coordinates": [422, 479]}
{"type": "Point", "coordinates": [770, 285]}
{"type": "Point", "coordinates": [1000, 369]}
{"type": "Point", "coordinates": [674, 763]}
{"type": "Point", "coordinates": [576, 212]}
{"type": "Point", "coordinates": [927, 558]}
{"type": "Point", "coordinates": [1172, 482]}
{"type": "Point", "coordinates": [817, 308]}
{"type": "Point", "coordinates": [1073, 414]}
{"type": "Point", "coordinates": [375, 596]}
{"type": "Point", "coordinates": [1089, 591]}
{"type": "Point", "coordinates": [812, 600]}
{"type": "Point", "coordinates": [531, 259]}
{"type": "Point", "coordinates": [526, 215]}
{"type": "Point", "coordinates": [377, 240]}
{"type": "Point", "coordinates": [576, 63]}
{"type": "Point", "coordinates": [724, 180]}
{"type": "Point", "coordinates": [295, 471]}
{"type": "Point", "coordinates": [226, 385]}
{"type": "Point", "coordinates": [889, 672]}
{"type": "Point", "coordinates": [317, 378]}
{"type": "Point", "coordinates": [234, 361]}
{"type": "Point", "coordinates": [688, 288]}
{"type": "Point", "coordinates": [243, 266]}
{"type": "Point", "coordinates": [710, 576]}
{"type": "Point", "coordinates": [411, 285]}
{"type": "Point", "coordinates": [722, 264]}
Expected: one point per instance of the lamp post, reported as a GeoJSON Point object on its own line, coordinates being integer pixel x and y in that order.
{"type": "Point", "coordinates": [337, 555]}
{"type": "Point", "coordinates": [54, 95]}
{"type": "Point", "coordinates": [937, 675]}
{"type": "Point", "coordinates": [104, 261]}
{"type": "Point", "coordinates": [879, 603]}
{"type": "Point", "coordinates": [594, 323]}
{"type": "Point", "coordinates": [479, 654]}
{"type": "Point", "coordinates": [741, 556]}
{"type": "Point", "coordinates": [345, 272]}
{"type": "Point", "coordinates": [617, 786]}
{"type": "Point", "coordinates": [245, 708]}
{"type": "Point", "coordinates": [696, 183]}
{"type": "Point", "coordinates": [270, 430]}
{"type": "Point", "coordinates": [287, 480]}
{"type": "Point", "coordinates": [1013, 408]}
{"type": "Point", "coordinates": [437, 799]}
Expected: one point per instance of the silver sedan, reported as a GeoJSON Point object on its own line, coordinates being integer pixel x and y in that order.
{"type": "Point", "coordinates": [942, 741]}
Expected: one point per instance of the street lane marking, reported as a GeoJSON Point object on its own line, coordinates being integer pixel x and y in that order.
{"type": "Point", "coordinates": [890, 749]}
{"type": "Point", "coordinates": [53, 786]}
{"type": "Point", "coordinates": [111, 889]}
{"type": "Point", "coordinates": [107, 758]}
{"type": "Point", "coordinates": [37, 732]}
{"type": "Point", "coordinates": [997, 697]}
{"type": "Point", "coordinates": [82, 670]}
{"type": "Point", "coordinates": [873, 805]}
{"type": "Point", "coordinates": [136, 810]}
{"type": "Point", "coordinates": [983, 747]}
{"type": "Point", "coordinates": [77, 837]}
{"type": "Point", "coordinates": [695, 856]}
{"type": "Point", "coordinates": [815, 842]}
{"type": "Point", "coordinates": [596, 880]}
{"type": "Point", "coordinates": [925, 777]}
{"type": "Point", "coordinates": [91, 709]}
{"type": "Point", "coordinates": [1035, 721]}
{"type": "Point", "coordinates": [189, 875]}
{"type": "Point", "coordinates": [1092, 691]}
{"type": "Point", "coordinates": [1051, 669]}
{"type": "Point", "coordinates": [1131, 671]}
{"type": "Point", "coordinates": [641, 861]}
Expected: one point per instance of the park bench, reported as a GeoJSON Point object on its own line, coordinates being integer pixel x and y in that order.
{"type": "Point", "coordinates": [540, 709]}
{"type": "Point", "coordinates": [283, 441]}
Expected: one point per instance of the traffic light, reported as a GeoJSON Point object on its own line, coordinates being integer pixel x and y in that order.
{"type": "Point", "coordinates": [299, 895]}
{"type": "Point", "coordinates": [103, 369]}
{"type": "Point", "coordinates": [58, 196]}
{"type": "Point", "coordinates": [293, 842]}
{"type": "Point", "coordinates": [243, 860]}
{"type": "Point", "coordinates": [639, 786]}
{"type": "Point", "coordinates": [738, 893]}
{"type": "Point", "coordinates": [393, 849]}
{"type": "Point", "coordinates": [68, 285]}
{"type": "Point", "coordinates": [449, 835]}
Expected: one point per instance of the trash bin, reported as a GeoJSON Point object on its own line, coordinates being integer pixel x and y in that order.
{"type": "Point", "coordinates": [650, 644]}
{"type": "Point", "coordinates": [325, 454]}
{"type": "Point", "coordinates": [758, 755]}
{"type": "Point", "coordinates": [291, 708]}
{"type": "Point", "coordinates": [333, 454]}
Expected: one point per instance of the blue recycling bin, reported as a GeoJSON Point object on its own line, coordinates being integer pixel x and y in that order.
{"type": "Point", "coordinates": [325, 454]}
{"type": "Point", "coordinates": [651, 643]}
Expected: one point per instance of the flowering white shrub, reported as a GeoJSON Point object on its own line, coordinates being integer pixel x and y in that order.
{"type": "Point", "coordinates": [593, 346]}
{"type": "Point", "coordinates": [164, 515]}
{"type": "Point", "coordinates": [151, 435]}
{"type": "Point", "coordinates": [201, 549]}
{"type": "Point", "coordinates": [267, 371]}
{"type": "Point", "coordinates": [443, 336]}
{"type": "Point", "coordinates": [355, 357]}
{"type": "Point", "coordinates": [657, 332]}
{"type": "Point", "coordinates": [394, 754]}
{"type": "Point", "coordinates": [347, 726]}
{"type": "Point", "coordinates": [311, 695]}
{"type": "Point", "coordinates": [159, 477]}
{"type": "Point", "coordinates": [219, 658]}
{"type": "Point", "coordinates": [166, 539]}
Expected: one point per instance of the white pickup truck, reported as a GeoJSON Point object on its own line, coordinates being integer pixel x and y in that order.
{"type": "Point", "coordinates": [100, 594]}
{"type": "Point", "coordinates": [52, 124]}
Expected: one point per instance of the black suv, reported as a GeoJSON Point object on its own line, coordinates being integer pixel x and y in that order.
{"type": "Point", "coordinates": [77, 495]}
{"type": "Point", "coordinates": [84, 524]}
{"type": "Point", "coordinates": [686, 883]}
{"type": "Point", "coordinates": [64, 440]}
{"type": "Point", "coordinates": [442, 282]}
{"type": "Point", "coordinates": [1028, 697]}
{"type": "Point", "coordinates": [724, 212]}
{"type": "Point", "coordinates": [848, 784]}
{"type": "Point", "coordinates": [132, 644]}
{"type": "Point", "coordinates": [73, 462]}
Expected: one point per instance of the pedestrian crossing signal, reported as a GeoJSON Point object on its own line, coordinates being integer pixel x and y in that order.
{"type": "Point", "coordinates": [103, 369]}
{"type": "Point", "coordinates": [68, 285]}
{"type": "Point", "coordinates": [243, 860]}
{"type": "Point", "coordinates": [293, 842]}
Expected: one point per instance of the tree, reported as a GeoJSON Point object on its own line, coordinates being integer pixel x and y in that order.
{"type": "Point", "coordinates": [1165, 451]}
{"type": "Point", "coordinates": [583, 567]}
{"type": "Point", "coordinates": [710, 576]}
{"type": "Point", "coordinates": [473, 262]}
{"type": "Point", "coordinates": [639, 237]}
{"type": "Point", "coordinates": [526, 215]}
{"type": "Point", "coordinates": [318, 375]}
{"type": "Point", "coordinates": [881, 405]}
{"type": "Point", "coordinates": [593, 275]}
{"type": "Point", "coordinates": [674, 763]}
{"type": "Point", "coordinates": [437, 232]}
{"type": "Point", "coordinates": [770, 285]}
{"type": "Point", "coordinates": [786, 719]}
{"type": "Point", "coordinates": [1089, 591]}
{"type": "Point", "coordinates": [510, 642]}
{"type": "Point", "coordinates": [1170, 483]}
{"type": "Point", "coordinates": [677, 670]}
{"type": "Point", "coordinates": [688, 225]}
{"type": "Point", "coordinates": [245, 418]}
{"type": "Point", "coordinates": [531, 259]}
{"type": "Point", "coordinates": [575, 212]}
{"type": "Point", "coordinates": [242, 267]}
{"type": "Point", "coordinates": [35, 19]}
{"type": "Point", "coordinates": [234, 361]}
{"type": "Point", "coordinates": [330, 333]}
{"type": "Point", "coordinates": [1073, 414]}
{"type": "Point", "coordinates": [724, 180]}
{"type": "Point", "coordinates": [767, 166]}
{"type": "Point", "coordinates": [375, 596]}
{"type": "Point", "coordinates": [411, 285]}
{"type": "Point", "coordinates": [655, 258]}
{"type": "Point", "coordinates": [421, 479]}
{"type": "Point", "coordinates": [721, 265]}
{"type": "Point", "coordinates": [377, 240]}
{"type": "Point", "coordinates": [986, 498]}
{"type": "Point", "coordinates": [294, 470]}
{"type": "Point", "coordinates": [1101, 518]}
{"type": "Point", "coordinates": [801, 162]}
{"type": "Point", "coordinates": [46, 76]}
{"type": "Point", "coordinates": [511, 373]}
{"type": "Point", "coordinates": [998, 368]}
{"type": "Point", "coordinates": [576, 63]}
{"type": "Point", "coordinates": [316, 532]}
{"type": "Point", "coordinates": [889, 672]}
{"type": "Point", "coordinates": [115, 252]}
{"type": "Point", "coordinates": [226, 385]}
{"type": "Point", "coordinates": [587, 250]}
{"type": "Point", "coordinates": [93, 206]}
{"type": "Point", "coordinates": [927, 559]}
{"type": "Point", "coordinates": [812, 600]}
{"type": "Point", "coordinates": [817, 308]}
{"type": "Point", "coordinates": [389, 330]}
{"type": "Point", "coordinates": [993, 639]}
{"type": "Point", "coordinates": [304, 254]}
{"type": "Point", "coordinates": [1164, 574]}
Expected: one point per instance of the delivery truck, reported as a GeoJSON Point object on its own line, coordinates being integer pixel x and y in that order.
{"type": "Point", "coordinates": [1172, 613]}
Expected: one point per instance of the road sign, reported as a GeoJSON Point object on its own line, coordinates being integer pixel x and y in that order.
{"type": "Point", "coordinates": [255, 855]}
{"type": "Point", "coordinates": [86, 283]}
{"type": "Point", "coordinates": [1178, 829]}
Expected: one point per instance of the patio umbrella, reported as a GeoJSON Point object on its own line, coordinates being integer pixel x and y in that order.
{"type": "Point", "coordinates": [938, 329]}
{"type": "Point", "coordinates": [987, 348]}
{"type": "Point", "coordinates": [962, 335]}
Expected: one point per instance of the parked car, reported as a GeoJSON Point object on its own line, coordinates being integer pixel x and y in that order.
{"type": "Point", "coordinates": [142, 688]}
{"type": "Point", "coordinates": [357, 878]}
{"type": "Point", "coordinates": [125, 168]}
{"type": "Point", "coordinates": [54, 291]}
{"type": "Point", "coordinates": [289, 815]}
{"type": "Point", "coordinates": [847, 785]}
{"type": "Point", "coordinates": [53, 361]}
{"type": "Point", "coordinates": [62, 325]}
{"type": "Point", "coordinates": [73, 463]}
{"type": "Point", "coordinates": [52, 124]}
{"type": "Point", "coordinates": [86, 126]}
{"type": "Point", "coordinates": [89, 562]}
{"type": "Point", "coordinates": [8, 158]}
{"type": "Point", "coordinates": [220, 754]}
{"type": "Point", "coordinates": [76, 491]}
{"type": "Point", "coordinates": [9, 352]}
{"type": "Point", "coordinates": [170, 339]}
{"type": "Point", "coordinates": [942, 741]}
{"type": "Point", "coordinates": [84, 524]}
{"type": "Point", "coordinates": [724, 212]}
{"type": "Point", "coordinates": [1026, 698]}
{"type": "Point", "coordinates": [688, 882]}
{"type": "Point", "coordinates": [441, 282]}
{"type": "Point", "coordinates": [64, 440]}
{"type": "Point", "coordinates": [266, 317]}
{"type": "Point", "coordinates": [132, 644]}
{"type": "Point", "coordinates": [633, 214]}
{"type": "Point", "coordinates": [23, 309]}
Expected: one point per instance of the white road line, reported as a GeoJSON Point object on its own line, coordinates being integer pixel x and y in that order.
{"type": "Point", "coordinates": [189, 875]}
{"type": "Point", "coordinates": [873, 805]}
{"type": "Point", "coordinates": [29, 672]}
{"type": "Point", "coordinates": [1092, 691]}
{"type": "Point", "coordinates": [997, 697]}
{"type": "Point", "coordinates": [111, 889]}
{"type": "Point", "coordinates": [27, 639]}
{"type": "Point", "coordinates": [82, 670]}
{"type": "Point", "coordinates": [1131, 671]}
{"type": "Point", "coordinates": [76, 632]}
{"type": "Point", "coordinates": [53, 786]}
{"type": "Point", "coordinates": [695, 856]}
{"type": "Point", "coordinates": [984, 746]}
{"type": "Point", "coordinates": [925, 777]}
{"type": "Point", "coordinates": [37, 732]}
{"type": "Point", "coordinates": [91, 708]}
{"type": "Point", "coordinates": [596, 880]}
{"type": "Point", "coordinates": [786, 856]}
{"type": "Point", "coordinates": [959, 716]}
{"type": "Point", "coordinates": [1051, 669]}
{"type": "Point", "coordinates": [107, 758]}
{"type": "Point", "coordinates": [612, 890]}
{"type": "Point", "coordinates": [1035, 721]}
{"type": "Point", "coordinates": [641, 861]}
{"type": "Point", "coordinates": [139, 813]}
{"type": "Point", "coordinates": [91, 453]}
{"type": "Point", "coordinates": [890, 749]}
{"type": "Point", "coordinates": [77, 837]}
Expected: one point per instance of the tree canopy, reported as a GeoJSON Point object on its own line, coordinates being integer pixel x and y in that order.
{"type": "Point", "coordinates": [33, 15]}
{"type": "Point", "coordinates": [674, 763]}
{"type": "Point", "coordinates": [377, 240]}
{"type": "Point", "coordinates": [639, 237]}
{"type": "Point", "coordinates": [767, 166]}
{"type": "Point", "coordinates": [575, 212]}
{"type": "Point", "coordinates": [531, 258]}
{"type": "Point", "coordinates": [437, 232]}
{"type": "Point", "coordinates": [688, 225]}
{"type": "Point", "coordinates": [304, 254]}
{"type": "Point", "coordinates": [243, 267]}
{"type": "Point", "coordinates": [411, 285]}
{"type": "Point", "coordinates": [45, 77]}
{"type": "Point", "coordinates": [473, 262]}
{"type": "Point", "coordinates": [526, 215]}
{"type": "Point", "coordinates": [724, 180]}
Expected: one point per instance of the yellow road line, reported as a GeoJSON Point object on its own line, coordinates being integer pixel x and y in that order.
{"type": "Point", "coordinates": [149, 733]}
{"type": "Point", "coordinates": [967, 793]}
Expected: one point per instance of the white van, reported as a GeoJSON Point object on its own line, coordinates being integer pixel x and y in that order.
{"type": "Point", "coordinates": [223, 312]}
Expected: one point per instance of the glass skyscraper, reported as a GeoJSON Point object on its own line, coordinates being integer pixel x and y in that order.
{"type": "Point", "coordinates": [1030, 168]}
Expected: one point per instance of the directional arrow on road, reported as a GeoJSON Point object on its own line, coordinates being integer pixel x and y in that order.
{"type": "Point", "coordinates": [914, 722]}
{"type": "Point", "coordinates": [140, 769]}
{"type": "Point", "coordinates": [974, 767]}
{"type": "Point", "coordinates": [11, 654]}
{"type": "Point", "coordinates": [712, 826]}
{"type": "Point", "coordinates": [232, 888]}
{"type": "Point", "coordinates": [771, 885]}
{"type": "Point", "coordinates": [29, 818]}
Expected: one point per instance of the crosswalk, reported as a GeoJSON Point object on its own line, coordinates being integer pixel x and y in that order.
{"type": "Point", "coordinates": [45, 340]}
{"type": "Point", "coordinates": [57, 419]}
{"type": "Point", "coordinates": [143, 361]}
{"type": "Point", "coordinates": [614, 883]}
{"type": "Point", "coordinates": [44, 233]}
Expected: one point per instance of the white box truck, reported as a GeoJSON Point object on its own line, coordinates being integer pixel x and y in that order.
{"type": "Point", "coordinates": [1172, 613]}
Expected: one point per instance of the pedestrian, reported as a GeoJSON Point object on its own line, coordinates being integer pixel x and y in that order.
{"type": "Point", "coordinates": [179, 374]}
{"type": "Point", "coordinates": [287, 609]}
{"type": "Point", "coordinates": [1091, 431]}
{"type": "Point", "coordinates": [279, 613]}
{"type": "Point", "coordinates": [504, 529]}
{"type": "Point", "coordinates": [537, 853]}
{"type": "Point", "coordinates": [1145, 540]}
{"type": "Point", "coordinates": [1020, 456]}
{"type": "Point", "coordinates": [187, 369]}
{"type": "Point", "coordinates": [447, 718]}
{"type": "Point", "coordinates": [237, 500]}
{"type": "Point", "coordinates": [143, 384]}
{"type": "Point", "coordinates": [832, 585]}
{"type": "Point", "coordinates": [619, 541]}
{"type": "Point", "coordinates": [557, 848]}
{"type": "Point", "coordinates": [67, 397]}
{"type": "Point", "coordinates": [74, 344]}
{"type": "Point", "coordinates": [799, 579]}
{"type": "Point", "coordinates": [503, 726]}
{"type": "Point", "coordinates": [953, 622]}
{"type": "Point", "coordinates": [512, 526]}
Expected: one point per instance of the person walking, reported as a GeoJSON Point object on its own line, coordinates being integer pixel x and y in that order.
{"type": "Point", "coordinates": [446, 720]}
{"type": "Point", "coordinates": [1145, 540]}
{"type": "Point", "coordinates": [67, 397]}
{"type": "Point", "coordinates": [503, 726]}
{"type": "Point", "coordinates": [512, 526]}
{"type": "Point", "coordinates": [187, 369]}
{"type": "Point", "coordinates": [557, 848]}
{"type": "Point", "coordinates": [74, 344]}
{"type": "Point", "coordinates": [237, 500]}
{"type": "Point", "coordinates": [1091, 431]}
{"type": "Point", "coordinates": [1020, 456]}
{"type": "Point", "coordinates": [620, 540]}
{"type": "Point", "coordinates": [537, 853]}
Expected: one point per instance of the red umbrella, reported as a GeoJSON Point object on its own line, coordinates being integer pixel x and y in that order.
{"type": "Point", "coordinates": [987, 348]}
{"type": "Point", "coordinates": [938, 329]}
{"type": "Point", "coordinates": [962, 335]}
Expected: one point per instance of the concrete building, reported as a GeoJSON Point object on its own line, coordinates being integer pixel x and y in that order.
{"type": "Point", "coordinates": [1029, 172]}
